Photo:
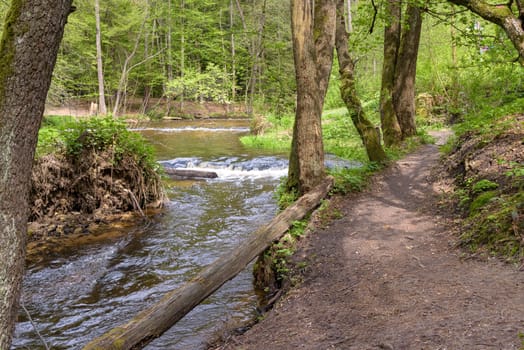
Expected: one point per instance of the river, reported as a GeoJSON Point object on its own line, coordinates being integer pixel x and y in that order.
{"type": "Point", "coordinates": [86, 291]}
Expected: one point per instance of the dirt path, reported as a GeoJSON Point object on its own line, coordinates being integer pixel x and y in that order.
{"type": "Point", "coordinates": [386, 276]}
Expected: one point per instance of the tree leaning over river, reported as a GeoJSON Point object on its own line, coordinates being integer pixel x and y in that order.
{"type": "Point", "coordinates": [32, 34]}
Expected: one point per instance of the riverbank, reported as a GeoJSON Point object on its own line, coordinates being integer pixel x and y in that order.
{"type": "Point", "coordinates": [388, 274]}
{"type": "Point", "coordinates": [88, 174]}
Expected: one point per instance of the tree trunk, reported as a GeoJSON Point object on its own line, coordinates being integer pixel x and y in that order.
{"type": "Point", "coordinates": [397, 98]}
{"type": "Point", "coordinates": [182, 51]}
{"type": "Point", "coordinates": [233, 58]}
{"type": "Point", "coordinates": [306, 161]}
{"type": "Point", "coordinates": [324, 36]}
{"type": "Point", "coordinates": [390, 126]}
{"type": "Point", "coordinates": [122, 84]}
{"type": "Point", "coordinates": [367, 131]}
{"type": "Point", "coordinates": [102, 108]}
{"type": "Point", "coordinates": [406, 71]}
{"type": "Point", "coordinates": [28, 53]}
{"type": "Point", "coordinates": [155, 320]}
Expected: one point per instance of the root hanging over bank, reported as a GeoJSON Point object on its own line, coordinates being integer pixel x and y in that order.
{"type": "Point", "coordinates": [92, 182]}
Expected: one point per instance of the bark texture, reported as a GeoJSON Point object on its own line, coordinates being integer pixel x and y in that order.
{"type": "Point", "coordinates": [406, 71]}
{"type": "Point", "coordinates": [397, 98]}
{"type": "Point", "coordinates": [313, 42]}
{"type": "Point", "coordinates": [369, 135]}
{"type": "Point", "coordinates": [28, 50]}
{"type": "Point", "coordinates": [306, 163]}
{"type": "Point", "coordinates": [155, 320]}
{"type": "Point", "coordinates": [324, 36]}
{"type": "Point", "coordinates": [390, 126]}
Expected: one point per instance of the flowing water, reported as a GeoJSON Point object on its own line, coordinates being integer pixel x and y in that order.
{"type": "Point", "coordinates": [85, 291]}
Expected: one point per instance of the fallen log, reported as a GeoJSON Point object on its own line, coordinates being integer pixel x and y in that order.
{"type": "Point", "coordinates": [190, 173]}
{"type": "Point", "coordinates": [152, 322]}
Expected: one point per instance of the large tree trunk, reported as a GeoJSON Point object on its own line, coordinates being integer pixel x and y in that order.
{"type": "Point", "coordinates": [28, 53]}
{"type": "Point", "coordinates": [102, 108]}
{"type": "Point", "coordinates": [406, 71]}
{"type": "Point", "coordinates": [390, 126]}
{"type": "Point", "coordinates": [306, 161]}
{"type": "Point", "coordinates": [369, 135]}
{"type": "Point", "coordinates": [155, 320]}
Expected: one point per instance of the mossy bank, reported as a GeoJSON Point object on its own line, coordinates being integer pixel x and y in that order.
{"type": "Point", "coordinates": [486, 166]}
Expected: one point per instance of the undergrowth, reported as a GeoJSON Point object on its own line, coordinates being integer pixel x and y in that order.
{"type": "Point", "coordinates": [486, 158]}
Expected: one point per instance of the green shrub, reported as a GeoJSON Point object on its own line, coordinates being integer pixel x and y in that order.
{"type": "Point", "coordinates": [100, 134]}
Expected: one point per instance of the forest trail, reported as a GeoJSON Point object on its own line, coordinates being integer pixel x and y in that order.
{"type": "Point", "coordinates": [387, 276]}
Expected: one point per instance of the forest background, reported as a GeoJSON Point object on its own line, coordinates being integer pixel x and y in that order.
{"type": "Point", "coordinates": [240, 52]}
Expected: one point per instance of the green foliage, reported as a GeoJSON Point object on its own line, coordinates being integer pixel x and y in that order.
{"type": "Point", "coordinates": [496, 226]}
{"type": "Point", "coordinates": [105, 134]}
{"type": "Point", "coordinates": [276, 138]}
{"type": "Point", "coordinates": [212, 85]}
{"type": "Point", "coordinates": [341, 137]}
{"type": "Point", "coordinates": [280, 252]}
{"type": "Point", "coordinates": [48, 141]}
{"type": "Point", "coordinates": [353, 179]}
{"type": "Point", "coordinates": [284, 197]}
{"type": "Point", "coordinates": [517, 170]}
{"type": "Point", "coordinates": [298, 228]}
{"type": "Point", "coordinates": [333, 99]}
{"type": "Point", "coordinates": [481, 200]}
{"type": "Point", "coordinates": [483, 185]}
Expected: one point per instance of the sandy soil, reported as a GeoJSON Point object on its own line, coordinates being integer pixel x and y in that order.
{"type": "Point", "coordinates": [387, 275]}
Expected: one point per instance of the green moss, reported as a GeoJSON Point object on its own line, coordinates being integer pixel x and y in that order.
{"type": "Point", "coordinates": [480, 201]}
{"type": "Point", "coordinates": [484, 185]}
{"type": "Point", "coordinates": [498, 228]}
{"type": "Point", "coordinates": [7, 45]}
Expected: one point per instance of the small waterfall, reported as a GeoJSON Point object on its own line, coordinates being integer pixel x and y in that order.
{"type": "Point", "coordinates": [234, 168]}
{"type": "Point", "coordinates": [193, 128]}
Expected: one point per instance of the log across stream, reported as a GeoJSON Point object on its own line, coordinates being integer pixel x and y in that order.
{"type": "Point", "coordinates": [155, 320]}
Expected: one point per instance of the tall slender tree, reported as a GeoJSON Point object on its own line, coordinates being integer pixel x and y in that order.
{"type": "Point", "coordinates": [28, 51]}
{"type": "Point", "coordinates": [367, 131]}
{"type": "Point", "coordinates": [102, 108]}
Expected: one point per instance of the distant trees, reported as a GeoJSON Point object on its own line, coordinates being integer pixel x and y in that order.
{"type": "Point", "coordinates": [146, 44]}
{"type": "Point", "coordinates": [28, 52]}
